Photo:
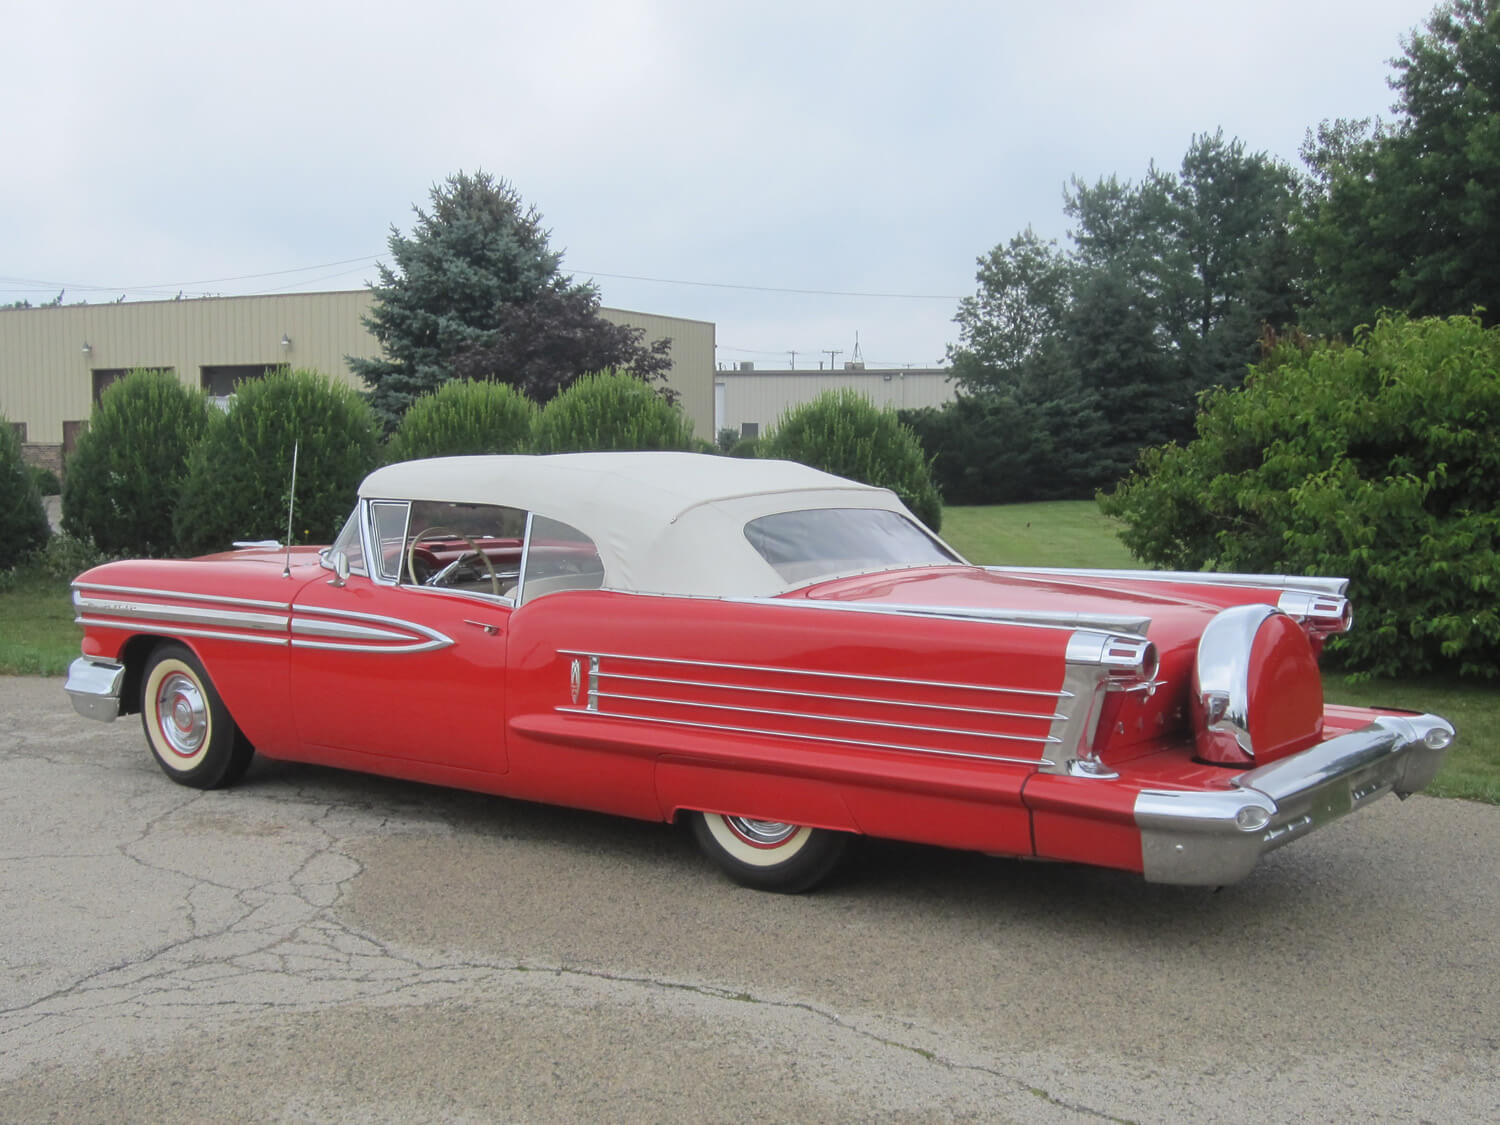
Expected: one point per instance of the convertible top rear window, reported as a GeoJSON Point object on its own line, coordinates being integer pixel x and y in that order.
{"type": "Point", "coordinates": [811, 544]}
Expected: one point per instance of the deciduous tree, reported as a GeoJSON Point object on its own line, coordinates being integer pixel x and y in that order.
{"type": "Point", "coordinates": [1408, 215]}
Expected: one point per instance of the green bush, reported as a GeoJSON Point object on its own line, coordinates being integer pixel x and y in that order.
{"type": "Point", "coordinates": [239, 476]}
{"type": "Point", "coordinates": [64, 558]}
{"type": "Point", "coordinates": [611, 410]}
{"type": "Point", "coordinates": [125, 476]}
{"type": "Point", "coordinates": [45, 480]}
{"type": "Point", "coordinates": [1378, 461]}
{"type": "Point", "coordinates": [464, 417]}
{"type": "Point", "coordinates": [23, 520]}
{"type": "Point", "coordinates": [843, 432]}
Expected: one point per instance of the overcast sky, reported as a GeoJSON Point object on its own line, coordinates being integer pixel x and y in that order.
{"type": "Point", "coordinates": [813, 149]}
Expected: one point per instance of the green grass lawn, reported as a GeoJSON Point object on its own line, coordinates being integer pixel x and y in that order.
{"type": "Point", "coordinates": [1054, 533]}
{"type": "Point", "coordinates": [37, 634]}
{"type": "Point", "coordinates": [38, 637]}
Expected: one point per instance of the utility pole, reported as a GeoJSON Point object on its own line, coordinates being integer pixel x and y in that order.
{"type": "Point", "coordinates": [793, 353]}
{"type": "Point", "coordinates": [833, 354]}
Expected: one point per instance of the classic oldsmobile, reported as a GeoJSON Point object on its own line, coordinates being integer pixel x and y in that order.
{"type": "Point", "coordinates": [784, 659]}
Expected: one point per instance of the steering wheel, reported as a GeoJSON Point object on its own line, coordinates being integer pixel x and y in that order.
{"type": "Point", "coordinates": [438, 578]}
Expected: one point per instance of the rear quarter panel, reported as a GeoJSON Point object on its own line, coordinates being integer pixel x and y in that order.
{"type": "Point", "coordinates": [911, 728]}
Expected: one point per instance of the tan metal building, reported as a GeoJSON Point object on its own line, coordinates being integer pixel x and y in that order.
{"type": "Point", "coordinates": [54, 362]}
{"type": "Point", "coordinates": [750, 402]}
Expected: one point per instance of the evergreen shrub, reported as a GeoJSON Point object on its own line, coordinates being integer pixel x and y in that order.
{"type": "Point", "coordinates": [239, 476]}
{"type": "Point", "coordinates": [23, 520]}
{"type": "Point", "coordinates": [125, 476]}
{"type": "Point", "coordinates": [995, 448]}
{"type": "Point", "coordinates": [464, 417]}
{"type": "Point", "coordinates": [843, 432]}
{"type": "Point", "coordinates": [1377, 461]}
{"type": "Point", "coordinates": [611, 411]}
{"type": "Point", "coordinates": [45, 480]}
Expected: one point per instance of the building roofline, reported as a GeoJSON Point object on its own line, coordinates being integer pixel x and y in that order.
{"type": "Point", "coordinates": [284, 297]}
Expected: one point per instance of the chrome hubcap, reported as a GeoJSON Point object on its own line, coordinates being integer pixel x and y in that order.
{"type": "Point", "coordinates": [182, 714]}
{"type": "Point", "coordinates": [761, 833]}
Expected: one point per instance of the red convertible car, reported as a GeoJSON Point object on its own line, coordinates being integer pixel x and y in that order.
{"type": "Point", "coordinates": [783, 658]}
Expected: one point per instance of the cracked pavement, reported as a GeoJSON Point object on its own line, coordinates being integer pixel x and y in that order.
{"type": "Point", "coordinates": [315, 945]}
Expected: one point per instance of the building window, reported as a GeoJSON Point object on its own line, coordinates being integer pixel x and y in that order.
{"type": "Point", "coordinates": [219, 382]}
{"type": "Point", "coordinates": [749, 429]}
{"type": "Point", "coordinates": [104, 376]}
{"type": "Point", "coordinates": [20, 429]}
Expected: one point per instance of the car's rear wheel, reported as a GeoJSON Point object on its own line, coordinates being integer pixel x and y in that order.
{"type": "Point", "coordinates": [769, 855]}
{"type": "Point", "coordinates": [188, 728]}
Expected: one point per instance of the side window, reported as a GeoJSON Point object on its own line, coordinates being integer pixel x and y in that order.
{"type": "Point", "coordinates": [388, 517]}
{"type": "Point", "coordinates": [351, 544]}
{"type": "Point", "coordinates": [559, 557]}
{"type": "Point", "coordinates": [475, 548]}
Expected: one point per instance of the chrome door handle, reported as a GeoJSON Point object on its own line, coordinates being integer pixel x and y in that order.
{"type": "Point", "coordinates": [492, 630]}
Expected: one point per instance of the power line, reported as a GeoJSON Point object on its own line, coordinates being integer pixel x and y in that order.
{"type": "Point", "coordinates": [775, 288]}
{"type": "Point", "coordinates": [40, 284]}
{"type": "Point", "coordinates": [172, 286]}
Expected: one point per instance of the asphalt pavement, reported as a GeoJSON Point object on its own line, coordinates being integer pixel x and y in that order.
{"type": "Point", "coordinates": [325, 947]}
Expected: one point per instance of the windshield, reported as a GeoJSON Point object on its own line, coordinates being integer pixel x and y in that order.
{"type": "Point", "coordinates": [811, 544]}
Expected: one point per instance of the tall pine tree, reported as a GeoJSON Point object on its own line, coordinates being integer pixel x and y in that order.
{"type": "Point", "coordinates": [476, 291]}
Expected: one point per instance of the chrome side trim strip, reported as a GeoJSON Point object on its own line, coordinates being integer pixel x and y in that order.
{"type": "Point", "coordinates": [352, 646]}
{"type": "Point", "coordinates": [1335, 586]}
{"type": "Point", "coordinates": [861, 676]}
{"type": "Point", "coordinates": [345, 630]}
{"type": "Point", "coordinates": [194, 621]}
{"type": "Point", "coordinates": [184, 631]}
{"type": "Point", "coordinates": [357, 638]}
{"type": "Point", "coordinates": [804, 737]}
{"type": "Point", "coordinates": [1042, 740]}
{"type": "Point", "coordinates": [1026, 618]}
{"type": "Point", "coordinates": [149, 592]}
{"type": "Point", "coordinates": [829, 695]}
{"type": "Point", "coordinates": [156, 611]}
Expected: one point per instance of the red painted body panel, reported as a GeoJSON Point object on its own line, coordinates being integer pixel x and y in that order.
{"type": "Point", "coordinates": [769, 695]}
{"type": "Point", "coordinates": [1286, 692]}
{"type": "Point", "coordinates": [442, 706]}
{"type": "Point", "coordinates": [929, 729]}
{"type": "Point", "coordinates": [1084, 819]}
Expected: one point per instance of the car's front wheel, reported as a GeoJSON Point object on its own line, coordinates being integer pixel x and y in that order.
{"type": "Point", "coordinates": [188, 727]}
{"type": "Point", "coordinates": [769, 855]}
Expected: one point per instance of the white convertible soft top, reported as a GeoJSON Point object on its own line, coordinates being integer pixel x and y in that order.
{"type": "Point", "coordinates": [663, 522]}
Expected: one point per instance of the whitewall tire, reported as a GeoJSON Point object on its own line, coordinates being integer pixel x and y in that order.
{"type": "Point", "coordinates": [769, 855]}
{"type": "Point", "coordinates": [187, 726]}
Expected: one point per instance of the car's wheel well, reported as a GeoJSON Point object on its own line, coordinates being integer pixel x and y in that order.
{"type": "Point", "coordinates": [133, 655]}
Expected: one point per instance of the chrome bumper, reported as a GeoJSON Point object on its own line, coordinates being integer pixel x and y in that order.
{"type": "Point", "coordinates": [1213, 838]}
{"type": "Point", "coordinates": [94, 688]}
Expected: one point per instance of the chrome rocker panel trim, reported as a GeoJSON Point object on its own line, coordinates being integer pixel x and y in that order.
{"type": "Point", "coordinates": [94, 688]}
{"type": "Point", "coordinates": [1200, 838]}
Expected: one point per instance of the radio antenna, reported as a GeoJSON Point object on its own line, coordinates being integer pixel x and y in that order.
{"type": "Point", "coordinates": [291, 505]}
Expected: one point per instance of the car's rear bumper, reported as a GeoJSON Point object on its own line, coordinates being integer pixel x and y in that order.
{"type": "Point", "coordinates": [94, 688]}
{"type": "Point", "coordinates": [1210, 838]}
